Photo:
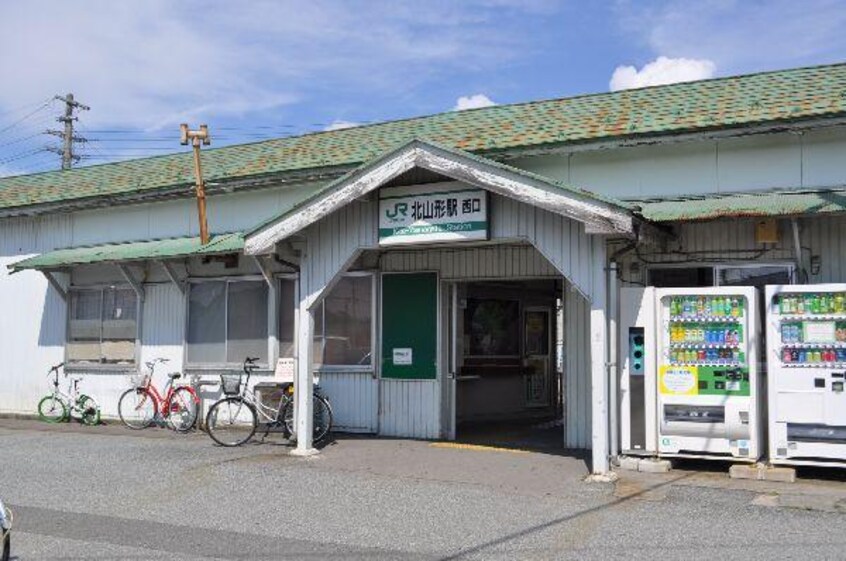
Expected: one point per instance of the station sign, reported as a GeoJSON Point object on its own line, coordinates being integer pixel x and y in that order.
{"type": "Point", "coordinates": [450, 212]}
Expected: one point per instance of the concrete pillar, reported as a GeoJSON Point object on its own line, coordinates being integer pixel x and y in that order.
{"type": "Point", "coordinates": [598, 358]}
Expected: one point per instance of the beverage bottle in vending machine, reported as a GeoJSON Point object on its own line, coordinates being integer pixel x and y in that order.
{"type": "Point", "coordinates": [735, 307]}
{"type": "Point", "coordinates": [839, 302]}
{"type": "Point", "coordinates": [798, 305]}
{"type": "Point", "coordinates": [786, 355]}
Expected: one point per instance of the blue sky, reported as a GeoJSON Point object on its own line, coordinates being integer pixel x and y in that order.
{"type": "Point", "coordinates": [263, 69]}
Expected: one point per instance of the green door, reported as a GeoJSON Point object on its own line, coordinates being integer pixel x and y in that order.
{"type": "Point", "coordinates": [410, 326]}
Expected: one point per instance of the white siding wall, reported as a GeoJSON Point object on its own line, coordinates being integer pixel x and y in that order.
{"type": "Point", "coordinates": [473, 263]}
{"type": "Point", "coordinates": [577, 387]}
{"type": "Point", "coordinates": [410, 408]}
{"type": "Point", "coordinates": [750, 163]}
{"type": "Point", "coordinates": [32, 315]}
{"type": "Point", "coordinates": [354, 398]}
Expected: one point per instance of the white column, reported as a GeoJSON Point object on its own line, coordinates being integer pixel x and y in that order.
{"type": "Point", "coordinates": [304, 385]}
{"type": "Point", "coordinates": [598, 356]}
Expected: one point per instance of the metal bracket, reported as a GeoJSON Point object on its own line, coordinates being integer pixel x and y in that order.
{"type": "Point", "coordinates": [54, 282]}
{"type": "Point", "coordinates": [171, 274]}
{"type": "Point", "coordinates": [265, 270]}
{"type": "Point", "coordinates": [136, 286]}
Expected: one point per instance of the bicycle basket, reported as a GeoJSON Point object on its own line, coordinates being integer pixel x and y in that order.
{"type": "Point", "coordinates": [139, 380]}
{"type": "Point", "coordinates": [230, 384]}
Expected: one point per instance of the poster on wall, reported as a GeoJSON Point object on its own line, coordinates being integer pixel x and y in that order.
{"type": "Point", "coordinates": [451, 212]}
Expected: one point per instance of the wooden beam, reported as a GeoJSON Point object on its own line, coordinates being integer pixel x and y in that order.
{"type": "Point", "coordinates": [265, 270]}
{"type": "Point", "coordinates": [54, 282]}
{"type": "Point", "coordinates": [171, 274]}
{"type": "Point", "coordinates": [136, 286]}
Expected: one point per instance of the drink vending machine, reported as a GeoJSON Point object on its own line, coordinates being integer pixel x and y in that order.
{"type": "Point", "coordinates": [806, 352]}
{"type": "Point", "coordinates": [708, 390]}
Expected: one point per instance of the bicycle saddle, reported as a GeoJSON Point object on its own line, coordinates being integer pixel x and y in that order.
{"type": "Point", "coordinates": [174, 375]}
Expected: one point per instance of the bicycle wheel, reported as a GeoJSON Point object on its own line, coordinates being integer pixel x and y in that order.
{"type": "Point", "coordinates": [89, 411]}
{"type": "Point", "coordinates": [231, 421]}
{"type": "Point", "coordinates": [182, 410]}
{"type": "Point", "coordinates": [321, 415]}
{"type": "Point", "coordinates": [137, 408]}
{"type": "Point", "coordinates": [52, 409]}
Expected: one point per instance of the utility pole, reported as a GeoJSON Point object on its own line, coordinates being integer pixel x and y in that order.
{"type": "Point", "coordinates": [197, 137]}
{"type": "Point", "coordinates": [68, 139]}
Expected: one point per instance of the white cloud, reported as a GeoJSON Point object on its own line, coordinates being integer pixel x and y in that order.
{"type": "Point", "coordinates": [740, 36]}
{"type": "Point", "coordinates": [662, 70]}
{"type": "Point", "coordinates": [155, 63]}
{"type": "Point", "coordinates": [341, 124]}
{"type": "Point", "coordinates": [474, 101]}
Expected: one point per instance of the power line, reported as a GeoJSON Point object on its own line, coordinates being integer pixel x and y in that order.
{"type": "Point", "coordinates": [25, 117]}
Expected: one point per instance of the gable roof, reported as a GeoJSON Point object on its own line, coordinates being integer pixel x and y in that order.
{"type": "Point", "coordinates": [600, 214]}
{"type": "Point", "coordinates": [756, 99]}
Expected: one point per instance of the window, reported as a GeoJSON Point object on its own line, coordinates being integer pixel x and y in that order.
{"type": "Point", "coordinates": [227, 322]}
{"type": "Point", "coordinates": [720, 275]}
{"type": "Point", "coordinates": [681, 277]}
{"type": "Point", "coordinates": [343, 324]}
{"type": "Point", "coordinates": [287, 311]}
{"type": "Point", "coordinates": [102, 328]}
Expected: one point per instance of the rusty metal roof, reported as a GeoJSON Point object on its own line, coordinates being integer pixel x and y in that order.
{"type": "Point", "coordinates": [790, 202]}
{"type": "Point", "coordinates": [735, 102]}
{"type": "Point", "coordinates": [132, 251]}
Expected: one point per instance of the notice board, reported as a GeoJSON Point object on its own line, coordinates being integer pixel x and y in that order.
{"type": "Point", "coordinates": [410, 326]}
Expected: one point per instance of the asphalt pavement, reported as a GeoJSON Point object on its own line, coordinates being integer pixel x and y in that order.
{"type": "Point", "coordinates": [110, 493]}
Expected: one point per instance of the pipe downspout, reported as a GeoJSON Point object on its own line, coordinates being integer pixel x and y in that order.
{"type": "Point", "coordinates": [613, 398]}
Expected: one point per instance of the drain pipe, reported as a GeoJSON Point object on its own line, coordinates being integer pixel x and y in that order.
{"type": "Point", "coordinates": [797, 249]}
{"type": "Point", "coordinates": [613, 398]}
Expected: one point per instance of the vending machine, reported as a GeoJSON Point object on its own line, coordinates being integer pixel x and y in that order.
{"type": "Point", "coordinates": [707, 373]}
{"type": "Point", "coordinates": [806, 352]}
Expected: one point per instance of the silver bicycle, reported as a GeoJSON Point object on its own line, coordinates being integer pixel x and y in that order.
{"type": "Point", "coordinates": [234, 419]}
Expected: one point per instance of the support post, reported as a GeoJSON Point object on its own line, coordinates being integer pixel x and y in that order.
{"type": "Point", "coordinates": [136, 286]}
{"type": "Point", "coordinates": [304, 385]}
{"type": "Point", "coordinates": [598, 355]}
{"type": "Point", "coordinates": [171, 274]}
{"type": "Point", "coordinates": [57, 286]}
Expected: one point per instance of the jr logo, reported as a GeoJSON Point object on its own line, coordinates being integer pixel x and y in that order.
{"type": "Point", "coordinates": [399, 212]}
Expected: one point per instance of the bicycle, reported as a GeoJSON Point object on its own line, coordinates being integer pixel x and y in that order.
{"type": "Point", "coordinates": [142, 404]}
{"type": "Point", "coordinates": [60, 406]}
{"type": "Point", "coordinates": [235, 418]}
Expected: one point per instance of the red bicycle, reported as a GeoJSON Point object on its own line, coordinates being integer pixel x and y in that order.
{"type": "Point", "coordinates": [140, 406]}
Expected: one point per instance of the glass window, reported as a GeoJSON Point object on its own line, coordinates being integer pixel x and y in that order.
{"type": "Point", "coordinates": [343, 324]}
{"type": "Point", "coordinates": [754, 276]}
{"type": "Point", "coordinates": [681, 277]}
{"type": "Point", "coordinates": [227, 322]}
{"type": "Point", "coordinates": [103, 326]}
{"type": "Point", "coordinates": [287, 309]}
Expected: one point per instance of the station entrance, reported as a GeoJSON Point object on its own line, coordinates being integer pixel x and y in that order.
{"type": "Point", "coordinates": [506, 363]}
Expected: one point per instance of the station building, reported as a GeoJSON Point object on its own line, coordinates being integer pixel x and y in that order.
{"type": "Point", "coordinates": [442, 276]}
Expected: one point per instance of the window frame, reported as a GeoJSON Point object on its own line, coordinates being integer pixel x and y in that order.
{"type": "Point", "coordinates": [272, 319]}
{"type": "Point", "coordinates": [369, 368]}
{"type": "Point", "coordinates": [79, 366]}
{"type": "Point", "coordinates": [717, 266]}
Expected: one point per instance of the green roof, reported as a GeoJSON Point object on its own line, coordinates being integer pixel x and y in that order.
{"type": "Point", "coordinates": [134, 251]}
{"type": "Point", "coordinates": [734, 102]}
{"type": "Point", "coordinates": [797, 202]}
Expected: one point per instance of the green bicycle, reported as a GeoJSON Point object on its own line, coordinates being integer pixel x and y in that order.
{"type": "Point", "coordinates": [59, 406]}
